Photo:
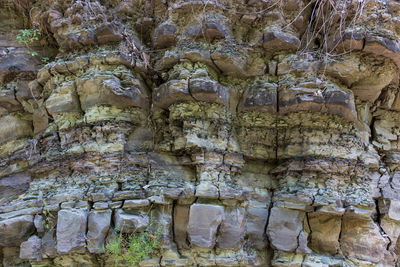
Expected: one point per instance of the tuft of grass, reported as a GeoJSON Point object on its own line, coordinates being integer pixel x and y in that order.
{"type": "Point", "coordinates": [134, 247]}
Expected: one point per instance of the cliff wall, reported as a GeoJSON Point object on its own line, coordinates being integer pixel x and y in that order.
{"type": "Point", "coordinates": [254, 132]}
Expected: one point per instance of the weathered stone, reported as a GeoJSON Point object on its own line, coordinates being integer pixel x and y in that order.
{"type": "Point", "coordinates": [207, 189]}
{"type": "Point", "coordinates": [208, 91]}
{"type": "Point", "coordinates": [231, 64]}
{"type": "Point", "coordinates": [284, 227]}
{"type": "Point", "coordinates": [203, 223]}
{"type": "Point", "coordinates": [361, 239]}
{"type": "Point", "coordinates": [71, 230]}
{"type": "Point", "coordinates": [16, 230]}
{"type": "Point", "coordinates": [129, 223]}
{"type": "Point", "coordinates": [261, 97]}
{"type": "Point", "coordinates": [231, 230]}
{"type": "Point", "coordinates": [38, 222]}
{"type": "Point", "coordinates": [108, 89]}
{"type": "Point", "coordinates": [349, 41]}
{"type": "Point", "coordinates": [10, 257]}
{"type": "Point", "coordinates": [394, 210]}
{"type": "Point", "coordinates": [64, 100]}
{"type": "Point", "coordinates": [181, 218]}
{"type": "Point", "coordinates": [277, 41]}
{"type": "Point", "coordinates": [325, 231]}
{"type": "Point", "coordinates": [384, 47]}
{"type": "Point", "coordinates": [171, 92]}
{"type": "Point", "coordinates": [49, 244]}
{"type": "Point", "coordinates": [164, 35]}
{"type": "Point", "coordinates": [8, 101]}
{"type": "Point", "coordinates": [12, 186]}
{"type": "Point", "coordinates": [98, 226]}
{"type": "Point", "coordinates": [135, 204]}
{"type": "Point", "coordinates": [307, 97]}
{"type": "Point", "coordinates": [107, 33]}
{"type": "Point", "coordinates": [13, 126]}
{"type": "Point", "coordinates": [255, 225]}
{"type": "Point", "coordinates": [31, 249]}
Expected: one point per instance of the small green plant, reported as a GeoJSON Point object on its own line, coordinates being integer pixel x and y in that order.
{"type": "Point", "coordinates": [47, 215]}
{"type": "Point", "coordinates": [134, 247]}
{"type": "Point", "coordinates": [27, 37]}
{"type": "Point", "coordinates": [45, 60]}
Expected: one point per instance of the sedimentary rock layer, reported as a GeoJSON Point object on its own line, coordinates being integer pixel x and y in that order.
{"type": "Point", "coordinates": [251, 132]}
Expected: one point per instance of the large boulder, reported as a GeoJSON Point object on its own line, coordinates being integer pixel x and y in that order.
{"type": "Point", "coordinates": [98, 226]}
{"type": "Point", "coordinates": [361, 238]}
{"type": "Point", "coordinates": [31, 249]}
{"type": "Point", "coordinates": [284, 227]}
{"type": "Point", "coordinates": [204, 220]}
{"type": "Point", "coordinates": [71, 230]}
{"type": "Point", "coordinates": [231, 231]}
{"type": "Point", "coordinates": [16, 230]}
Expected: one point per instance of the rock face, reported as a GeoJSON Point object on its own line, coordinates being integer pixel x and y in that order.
{"type": "Point", "coordinates": [247, 133]}
{"type": "Point", "coordinates": [71, 231]}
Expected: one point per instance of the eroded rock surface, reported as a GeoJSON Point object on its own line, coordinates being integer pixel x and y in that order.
{"type": "Point", "coordinates": [251, 133]}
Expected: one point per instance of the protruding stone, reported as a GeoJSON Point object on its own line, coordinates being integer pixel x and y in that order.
{"type": "Point", "coordinates": [349, 41]}
{"type": "Point", "coordinates": [231, 231]}
{"type": "Point", "coordinates": [171, 92]}
{"type": "Point", "coordinates": [129, 223]}
{"type": "Point", "coordinates": [284, 227]}
{"type": "Point", "coordinates": [71, 230]}
{"type": "Point", "coordinates": [384, 47]}
{"type": "Point", "coordinates": [14, 126]}
{"type": "Point", "coordinates": [261, 97]}
{"type": "Point", "coordinates": [204, 220]}
{"type": "Point", "coordinates": [63, 100]}
{"type": "Point", "coordinates": [98, 226]}
{"type": "Point", "coordinates": [109, 90]}
{"type": "Point", "coordinates": [31, 249]}
{"type": "Point", "coordinates": [361, 238]}
{"type": "Point", "coordinates": [136, 203]}
{"type": "Point", "coordinates": [307, 97]}
{"type": "Point", "coordinates": [107, 33]}
{"type": "Point", "coordinates": [325, 231]}
{"type": "Point", "coordinates": [208, 91]}
{"type": "Point", "coordinates": [16, 230]}
{"type": "Point", "coordinates": [275, 41]}
{"type": "Point", "coordinates": [164, 35]}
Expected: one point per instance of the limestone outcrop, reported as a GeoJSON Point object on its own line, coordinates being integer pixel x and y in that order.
{"type": "Point", "coordinates": [253, 133]}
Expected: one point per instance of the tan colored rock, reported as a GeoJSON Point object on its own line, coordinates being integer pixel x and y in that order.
{"type": "Point", "coordinates": [164, 35]}
{"type": "Point", "coordinates": [171, 92]}
{"type": "Point", "coordinates": [63, 100]}
{"type": "Point", "coordinates": [361, 238]}
{"type": "Point", "coordinates": [274, 41]}
{"type": "Point", "coordinates": [325, 232]}
{"type": "Point", "coordinates": [384, 47]}
{"type": "Point", "coordinates": [107, 89]}
{"type": "Point", "coordinates": [14, 126]}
